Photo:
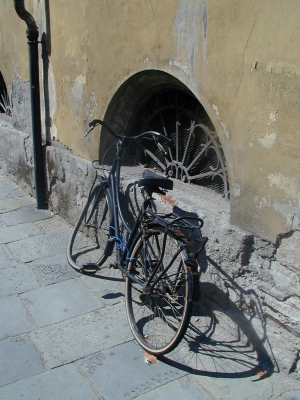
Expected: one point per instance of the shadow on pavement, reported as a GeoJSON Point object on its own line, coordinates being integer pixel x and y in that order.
{"type": "Point", "coordinates": [225, 339]}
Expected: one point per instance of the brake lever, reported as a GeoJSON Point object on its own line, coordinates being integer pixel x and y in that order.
{"type": "Point", "coordinates": [161, 148]}
{"type": "Point", "coordinates": [92, 125]}
{"type": "Point", "coordinates": [86, 133]}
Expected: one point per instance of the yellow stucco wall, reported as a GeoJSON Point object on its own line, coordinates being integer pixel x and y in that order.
{"type": "Point", "coordinates": [240, 59]}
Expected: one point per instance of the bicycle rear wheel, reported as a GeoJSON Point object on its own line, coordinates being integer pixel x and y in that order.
{"type": "Point", "coordinates": [159, 319]}
{"type": "Point", "coordinates": [88, 247]}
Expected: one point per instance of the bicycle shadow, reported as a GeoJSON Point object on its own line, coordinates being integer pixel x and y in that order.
{"type": "Point", "coordinates": [221, 342]}
{"type": "Point", "coordinates": [227, 334]}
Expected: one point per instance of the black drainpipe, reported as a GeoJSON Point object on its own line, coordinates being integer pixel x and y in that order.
{"type": "Point", "coordinates": [38, 152]}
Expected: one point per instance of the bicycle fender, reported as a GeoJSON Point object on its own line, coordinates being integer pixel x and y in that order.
{"type": "Point", "coordinates": [190, 284]}
{"type": "Point", "coordinates": [110, 244]}
{"type": "Point", "coordinates": [195, 276]}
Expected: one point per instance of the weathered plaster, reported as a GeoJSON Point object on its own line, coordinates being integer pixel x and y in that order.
{"type": "Point", "coordinates": [77, 90]}
{"type": "Point", "coordinates": [290, 186]}
{"type": "Point", "coordinates": [52, 100]}
{"type": "Point", "coordinates": [236, 188]}
{"type": "Point", "coordinates": [281, 67]}
{"type": "Point", "coordinates": [187, 31]}
{"type": "Point", "coordinates": [226, 132]}
{"type": "Point", "coordinates": [267, 141]}
{"type": "Point", "coordinates": [290, 213]}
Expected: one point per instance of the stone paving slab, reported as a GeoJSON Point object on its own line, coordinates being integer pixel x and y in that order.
{"type": "Point", "coordinates": [293, 394]}
{"type": "Point", "coordinates": [18, 232]}
{"type": "Point", "coordinates": [19, 359]}
{"type": "Point", "coordinates": [14, 318]}
{"type": "Point", "coordinates": [15, 203]}
{"type": "Point", "coordinates": [104, 370]}
{"type": "Point", "coordinates": [58, 302]}
{"type": "Point", "coordinates": [243, 388]}
{"type": "Point", "coordinates": [9, 190]}
{"type": "Point", "coordinates": [110, 291]}
{"type": "Point", "coordinates": [65, 383]}
{"type": "Point", "coordinates": [179, 389]}
{"type": "Point", "coordinates": [6, 258]}
{"type": "Point", "coordinates": [18, 279]}
{"type": "Point", "coordinates": [24, 215]}
{"type": "Point", "coordinates": [53, 269]}
{"type": "Point", "coordinates": [78, 337]}
{"type": "Point", "coordinates": [40, 246]}
{"type": "Point", "coordinates": [54, 224]}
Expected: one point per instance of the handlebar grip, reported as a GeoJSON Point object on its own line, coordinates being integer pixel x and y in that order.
{"type": "Point", "coordinates": [155, 135]}
{"type": "Point", "coordinates": [96, 122]}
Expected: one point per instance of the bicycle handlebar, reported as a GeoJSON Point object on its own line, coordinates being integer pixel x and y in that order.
{"type": "Point", "coordinates": [155, 135]}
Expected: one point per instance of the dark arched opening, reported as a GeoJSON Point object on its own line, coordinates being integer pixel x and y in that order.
{"type": "Point", "coordinates": [153, 100]}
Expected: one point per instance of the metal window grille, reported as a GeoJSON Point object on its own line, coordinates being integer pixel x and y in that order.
{"type": "Point", "coordinates": [195, 154]}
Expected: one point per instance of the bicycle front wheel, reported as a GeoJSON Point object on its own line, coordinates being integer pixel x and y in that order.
{"type": "Point", "coordinates": [88, 246]}
{"type": "Point", "coordinates": [158, 319]}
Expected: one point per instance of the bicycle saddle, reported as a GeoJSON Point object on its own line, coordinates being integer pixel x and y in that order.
{"type": "Point", "coordinates": [151, 179]}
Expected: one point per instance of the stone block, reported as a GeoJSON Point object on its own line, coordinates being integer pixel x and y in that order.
{"type": "Point", "coordinates": [16, 203]}
{"type": "Point", "coordinates": [6, 258]}
{"type": "Point", "coordinates": [78, 337]}
{"type": "Point", "coordinates": [52, 269]}
{"type": "Point", "coordinates": [58, 302]}
{"type": "Point", "coordinates": [181, 388]}
{"type": "Point", "coordinates": [54, 224]}
{"type": "Point", "coordinates": [9, 190]}
{"type": "Point", "coordinates": [40, 246]}
{"type": "Point", "coordinates": [18, 232]}
{"type": "Point", "coordinates": [21, 105]}
{"type": "Point", "coordinates": [19, 359]}
{"type": "Point", "coordinates": [14, 318]}
{"type": "Point", "coordinates": [105, 368]}
{"type": "Point", "coordinates": [108, 290]}
{"type": "Point", "coordinates": [59, 383]}
{"type": "Point", "coordinates": [289, 251]}
{"type": "Point", "coordinates": [17, 279]}
{"type": "Point", "coordinates": [16, 157]}
{"type": "Point", "coordinates": [24, 215]}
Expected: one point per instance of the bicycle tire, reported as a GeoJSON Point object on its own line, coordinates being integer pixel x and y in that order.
{"type": "Point", "coordinates": [89, 247]}
{"type": "Point", "coordinates": [159, 320]}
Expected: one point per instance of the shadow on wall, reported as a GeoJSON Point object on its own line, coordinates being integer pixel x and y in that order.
{"type": "Point", "coordinates": [46, 52]}
{"type": "Point", "coordinates": [227, 335]}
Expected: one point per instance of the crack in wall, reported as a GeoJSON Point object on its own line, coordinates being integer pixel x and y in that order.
{"type": "Point", "coordinates": [244, 66]}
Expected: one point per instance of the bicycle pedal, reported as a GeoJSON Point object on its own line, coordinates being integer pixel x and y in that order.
{"type": "Point", "coordinates": [90, 267]}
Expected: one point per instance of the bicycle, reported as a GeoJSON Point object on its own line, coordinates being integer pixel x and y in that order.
{"type": "Point", "coordinates": [156, 260]}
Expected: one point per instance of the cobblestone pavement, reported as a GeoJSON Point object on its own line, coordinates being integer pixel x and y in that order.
{"type": "Point", "coordinates": [65, 336]}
